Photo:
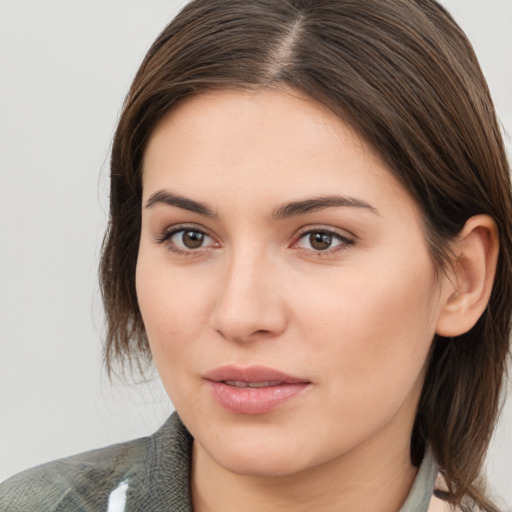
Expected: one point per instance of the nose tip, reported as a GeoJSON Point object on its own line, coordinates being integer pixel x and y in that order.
{"type": "Point", "coordinates": [249, 306]}
{"type": "Point", "coordinates": [242, 332]}
{"type": "Point", "coordinates": [247, 319]}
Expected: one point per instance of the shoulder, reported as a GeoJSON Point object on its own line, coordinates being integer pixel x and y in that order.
{"type": "Point", "coordinates": [79, 483]}
{"type": "Point", "coordinates": [145, 474]}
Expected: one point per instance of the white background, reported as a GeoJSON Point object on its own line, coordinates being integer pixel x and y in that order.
{"type": "Point", "coordinates": [65, 66]}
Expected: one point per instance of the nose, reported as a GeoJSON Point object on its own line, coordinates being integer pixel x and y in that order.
{"type": "Point", "coordinates": [250, 304]}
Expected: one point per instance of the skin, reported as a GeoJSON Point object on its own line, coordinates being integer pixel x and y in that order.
{"type": "Point", "coordinates": [355, 320]}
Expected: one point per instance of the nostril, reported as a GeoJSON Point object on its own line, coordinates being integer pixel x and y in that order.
{"type": "Point", "coordinates": [243, 336]}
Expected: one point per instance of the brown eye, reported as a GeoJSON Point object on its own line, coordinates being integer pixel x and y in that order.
{"type": "Point", "coordinates": [320, 241]}
{"type": "Point", "coordinates": [188, 240]}
{"type": "Point", "coordinates": [192, 239]}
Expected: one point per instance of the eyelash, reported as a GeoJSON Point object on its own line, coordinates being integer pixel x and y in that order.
{"type": "Point", "coordinates": [165, 239]}
{"type": "Point", "coordinates": [344, 242]}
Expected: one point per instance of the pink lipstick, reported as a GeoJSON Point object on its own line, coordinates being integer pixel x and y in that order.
{"type": "Point", "coordinates": [253, 390]}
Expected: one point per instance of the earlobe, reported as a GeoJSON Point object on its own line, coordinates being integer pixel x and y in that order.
{"type": "Point", "coordinates": [470, 284]}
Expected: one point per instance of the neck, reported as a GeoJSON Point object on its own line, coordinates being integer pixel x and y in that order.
{"type": "Point", "coordinates": [376, 476]}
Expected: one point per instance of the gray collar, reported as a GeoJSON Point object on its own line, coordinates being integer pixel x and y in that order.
{"type": "Point", "coordinates": [421, 491]}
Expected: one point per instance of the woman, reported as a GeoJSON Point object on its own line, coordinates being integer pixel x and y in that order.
{"type": "Point", "coordinates": [310, 237]}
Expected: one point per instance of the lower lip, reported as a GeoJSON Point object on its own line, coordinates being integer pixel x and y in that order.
{"type": "Point", "coordinates": [254, 401]}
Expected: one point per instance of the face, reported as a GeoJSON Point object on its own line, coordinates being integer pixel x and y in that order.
{"type": "Point", "coordinates": [285, 285]}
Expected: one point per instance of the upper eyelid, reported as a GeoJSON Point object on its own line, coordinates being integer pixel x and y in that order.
{"type": "Point", "coordinates": [165, 240]}
{"type": "Point", "coordinates": [345, 240]}
{"type": "Point", "coordinates": [176, 228]}
{"type": "Point", "coordinates": [342, 233]}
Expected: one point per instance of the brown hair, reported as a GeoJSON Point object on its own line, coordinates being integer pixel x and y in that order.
{"type": "Point", "coordinates": [404, 76]}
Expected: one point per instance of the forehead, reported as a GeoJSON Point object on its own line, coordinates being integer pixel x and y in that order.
{"type": "Point", "coordinates": [262, 145]}
{"type": "Point", "coordinates": [265, 119]}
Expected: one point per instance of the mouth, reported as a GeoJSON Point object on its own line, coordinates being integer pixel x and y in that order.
{"type": "Point", "coordinates": [254, 390]}
{"type": "Point", "coordinates": [243, 384]}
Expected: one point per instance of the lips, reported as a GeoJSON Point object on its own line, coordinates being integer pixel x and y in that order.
{"type": "Point", "coordinates": [253, 390]}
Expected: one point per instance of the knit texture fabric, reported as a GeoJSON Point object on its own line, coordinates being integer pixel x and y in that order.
{"type": "Point", "coordinates": [149, 474]}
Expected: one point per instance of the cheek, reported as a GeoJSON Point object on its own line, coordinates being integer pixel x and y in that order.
{"type": "Point", "coordinates": [173, 313]}
{"type": "Point", "coordinates": [374, 326]}
{"type": "Point", "coordinates": [170, 307]}
{"type": "Point", "coordinates": [370, 338]}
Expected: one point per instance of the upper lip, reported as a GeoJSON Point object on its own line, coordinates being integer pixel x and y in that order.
{"type": "Point", "coordinates": [252, 374]}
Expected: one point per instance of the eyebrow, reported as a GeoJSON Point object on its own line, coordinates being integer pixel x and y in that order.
{"type": "Point", "coordinates": [281, 212]}
{"type": "Point", "coordinates": [163, 197]}
{"type": "Point", "coordinates": [319, 203]}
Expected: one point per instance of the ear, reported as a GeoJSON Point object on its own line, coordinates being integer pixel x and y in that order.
{"type": "Point", "coordinates": [469, 285]}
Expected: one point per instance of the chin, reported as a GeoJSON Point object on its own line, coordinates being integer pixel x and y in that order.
{"type": "Point", "coordinates": [260, 463]}
{"type": "Point", "coordinates": [258, 451]}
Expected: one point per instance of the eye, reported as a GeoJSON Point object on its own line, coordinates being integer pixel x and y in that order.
{"type": "Point", "coordinates": [186, 239]}
{"type": "Point", "coordinates": [319, 240]}
{"type": "Point", "coordinates": [189, 239]}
